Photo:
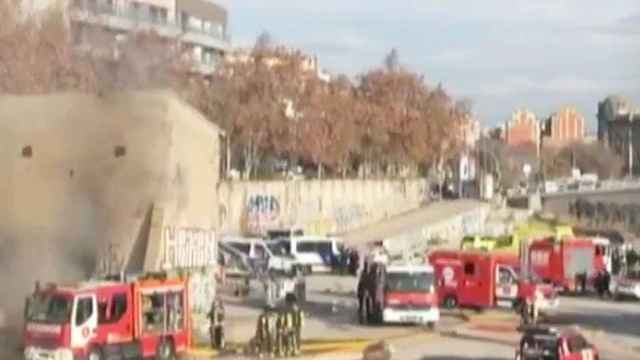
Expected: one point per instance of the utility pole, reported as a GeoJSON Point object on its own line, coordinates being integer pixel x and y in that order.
{"type": "Point", "coordinates": [630, 144]}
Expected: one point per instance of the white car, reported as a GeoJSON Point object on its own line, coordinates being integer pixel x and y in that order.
{"type": "Point", "coordinates": [628, 286]}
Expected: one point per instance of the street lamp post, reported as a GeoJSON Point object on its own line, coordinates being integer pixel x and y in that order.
{"type": "Point", "coordinates": [630, 144]}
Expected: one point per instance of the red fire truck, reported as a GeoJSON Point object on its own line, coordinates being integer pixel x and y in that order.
{"type": "Point", "coordinates": [99, 320]}
{"type": "Point", "coordinates": [571, 263]}
{"type": "Point", "coordinates": [482, 280]}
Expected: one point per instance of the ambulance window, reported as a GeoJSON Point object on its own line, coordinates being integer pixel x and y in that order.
{"type": "Point", "coordinates": [84, 310]}
{"type": "Point", "coordinates": [504, 276]}
{"type": "Point", "coordinates": [469, 268]}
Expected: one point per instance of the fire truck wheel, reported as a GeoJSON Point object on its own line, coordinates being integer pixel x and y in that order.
{"type": "Point", "coordinates": [95, 354]}
{"type": "Point", "coordinates": [165, 350]}
{"type": "Point", "coordinates": [450, 302]}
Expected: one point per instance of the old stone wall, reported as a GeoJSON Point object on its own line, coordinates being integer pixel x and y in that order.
{"type": "Point", "coordinates": [112, 175]}
{"type": "Point", "coordinates": [318, 207]}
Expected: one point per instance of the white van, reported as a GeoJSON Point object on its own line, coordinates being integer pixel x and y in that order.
{"type": "Point", "coordinates": [313, 253]}
{"type": "Point", "coordinates": [259, 254]}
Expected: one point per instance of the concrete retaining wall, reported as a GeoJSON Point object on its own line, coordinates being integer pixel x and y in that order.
{"type": "Point", "coordinates": [443, 232]}
{"type": "Point", "coordinates": [319, 207]}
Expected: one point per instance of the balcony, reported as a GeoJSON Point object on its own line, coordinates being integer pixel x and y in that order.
{"type": "Point", "coordinates": [206, 40]}
{"type": "Point", "coordinates": [121, 19]}
{"type": "Point", "coordinates": [200, 36]}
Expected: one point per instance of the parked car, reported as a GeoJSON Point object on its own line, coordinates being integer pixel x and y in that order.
{"type": "Point", "coordinates": [545, 343]}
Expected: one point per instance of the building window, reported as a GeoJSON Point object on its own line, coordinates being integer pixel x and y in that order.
{"type": "Point", "coordinates": [206, 27]}
{"type": "Point", "coordinates": [158, 14]}
{"type": "Point", "coordinates": [194, 23]}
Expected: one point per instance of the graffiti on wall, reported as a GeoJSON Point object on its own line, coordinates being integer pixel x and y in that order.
{"type": "Point", "coordinates": [202, 288]}
{"type": "Point", "coordinates": [348, 217]}
{"type": "Point", "coordinates": [186, 248]}
{"type": "Point", "coordinates": [320, 227]}
{"type": "Point", "coordinates": [263, 211]}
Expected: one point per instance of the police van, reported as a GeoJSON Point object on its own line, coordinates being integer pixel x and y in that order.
{"type": "Point", "coordinates": [312, 253]}
{"type": "Point", "coordinates": [259, 255]}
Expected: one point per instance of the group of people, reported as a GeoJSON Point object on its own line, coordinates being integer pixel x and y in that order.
{"type": "Point", "coordinates": [278, 331]}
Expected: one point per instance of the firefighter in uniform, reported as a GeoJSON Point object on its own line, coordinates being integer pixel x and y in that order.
{"type": "Point", "coordinates": [265, 341]}
{"type": "Point", "coordinates": [282, 340]}
{"type": "Point", "coordinates": [216, 325]}
{"type": "Point", "coordinates": [296, 317]}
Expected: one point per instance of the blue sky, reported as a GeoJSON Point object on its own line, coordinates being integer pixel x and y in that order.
{"type": "Point", "coordinates": [502, 54]}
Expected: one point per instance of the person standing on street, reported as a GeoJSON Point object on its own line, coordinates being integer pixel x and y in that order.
{"type": "Point", "coordinates": [216, 324]}
{"type": "Point", "coordinates": [297, 322]}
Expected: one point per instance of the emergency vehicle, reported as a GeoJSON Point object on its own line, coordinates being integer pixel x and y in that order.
{"type": "Point", "coordinates": [99, 320]}
{"type": "Point", "coordinates": [483, 280]}
{"type": "Point", "coordinates": [544, 343]}
{"type": "Point", "coordinates": [571, 263]}
{"type": "Point", "coordinates": [397, 293]}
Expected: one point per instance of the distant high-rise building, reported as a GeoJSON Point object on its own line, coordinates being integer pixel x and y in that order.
{"type": "Point", "coordinates": [619, 129]}
{"type": "Point", "coordinates": [563, 127]}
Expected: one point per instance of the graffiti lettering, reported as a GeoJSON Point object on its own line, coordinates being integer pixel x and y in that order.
{"type": "Point", "coordinates": [347, 217]}
{"type": "Point", "coordinates": [189, 248]}
{"type": "Point", "coordinates": [262, 211]}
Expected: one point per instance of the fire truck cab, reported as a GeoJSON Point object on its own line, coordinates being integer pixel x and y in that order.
{"type": "Point", "coordinates": [484, 280]}
{"type": "Point", "coordinates": [397, 293]}
{"type": "Point", "coordinates": [571, 263]}
{"type": "Point", "coordinates": [108, 320]}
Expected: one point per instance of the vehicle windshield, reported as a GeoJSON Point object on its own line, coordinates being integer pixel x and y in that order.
{"type": "Point", "coordinates": [242, 247]}
{"type": "Point", "coordinates": [320, 247]}
{"type": "Point", "coordinates": [48, 308]}
{"type": "Point", "coordinates": [409, 282]}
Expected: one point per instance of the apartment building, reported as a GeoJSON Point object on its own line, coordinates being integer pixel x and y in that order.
{"type": "Point", "coordinates": [563, 128]}
{"type": "Point", "coordinates": [199, 26]}
{"type": "Point", "coordinates": [522, 130]}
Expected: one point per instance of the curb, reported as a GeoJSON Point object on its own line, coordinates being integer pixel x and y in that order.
{"type": "Point", "coordinates": [310, 346]}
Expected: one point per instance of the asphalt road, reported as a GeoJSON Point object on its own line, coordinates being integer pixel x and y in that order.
{"type": "Point", "coordinates": [619, 321]}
